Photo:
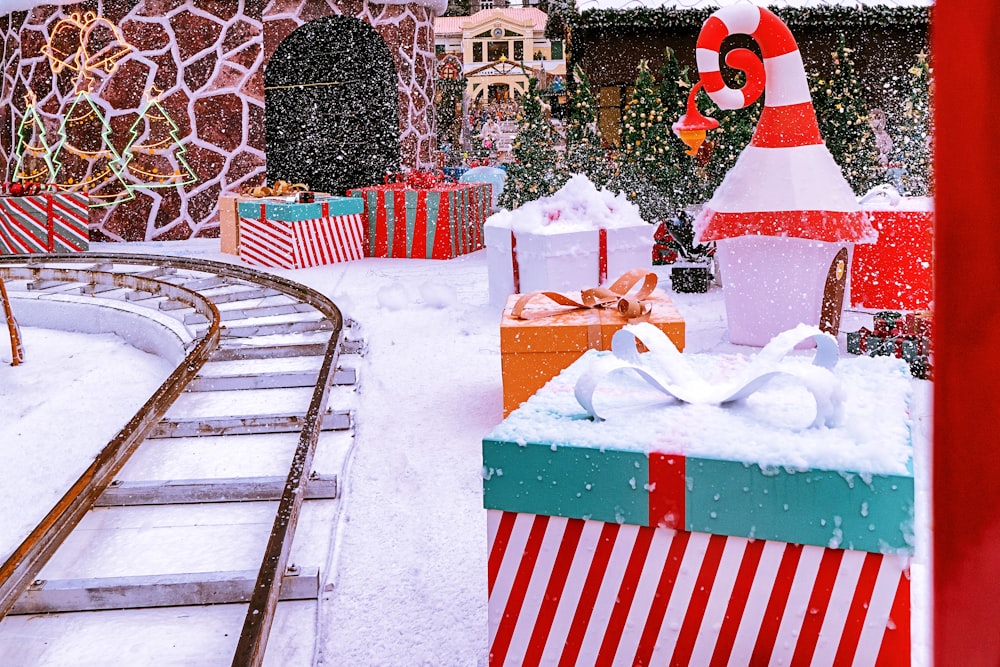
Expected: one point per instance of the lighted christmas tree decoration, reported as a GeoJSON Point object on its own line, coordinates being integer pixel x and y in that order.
{"type": "Point", "coordinates": [154, 157]}
{"type": "Point", "coordinates": [34, 157]}
{"type": "Point", "coordinates": [85, 159]}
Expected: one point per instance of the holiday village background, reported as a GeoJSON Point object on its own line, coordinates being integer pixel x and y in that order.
{"type": "Point", "coordinates": [128, 104]}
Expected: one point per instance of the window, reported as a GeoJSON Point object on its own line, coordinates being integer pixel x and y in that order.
{"type": "Point", "coordinates": [496, 49]}
{"type": "Point", "coordinates": [477, 52]}
{"type": "Point", "coordinates": [486, 4]}
{"type": "Point", "coordinates": [519, 50]}
{"type": "Point", "coordinates": [439, 49]}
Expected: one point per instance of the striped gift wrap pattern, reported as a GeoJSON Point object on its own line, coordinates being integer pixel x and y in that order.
{"type": "Point", "coordinates": [47, 222]}
{"type": "Point", "coordinates": [442, 222]}
{"type": "Point", "coordinates": [300, 244]}
{"type": "Point", "coordinates": [568, 591]}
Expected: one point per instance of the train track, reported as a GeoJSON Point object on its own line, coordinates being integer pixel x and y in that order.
{"type": "Point", "coordinates": [259, 358]}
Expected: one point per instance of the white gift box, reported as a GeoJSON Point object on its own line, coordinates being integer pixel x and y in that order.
{"type": "Point", "coordinates": [564, 261]}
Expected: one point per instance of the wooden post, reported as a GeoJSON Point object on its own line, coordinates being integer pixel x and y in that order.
{"type": "Point", "coordinates": [16, 349]}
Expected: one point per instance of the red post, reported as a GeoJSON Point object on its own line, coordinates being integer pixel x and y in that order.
{"type": "Point", "coordinates": [966, 458]}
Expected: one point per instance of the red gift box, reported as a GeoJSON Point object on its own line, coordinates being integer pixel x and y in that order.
{"type": "Point", "coordinates": [440, 221]}
{"type": "Point", "coordinates": [895, 273]}
{"type": "Point", "coordinates": [299, 244]}
{"type": "Point", "coordinates": [46, 222]}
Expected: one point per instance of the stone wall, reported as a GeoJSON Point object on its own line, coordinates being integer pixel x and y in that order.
{"type": "Point", "coordinates": [202, 64]}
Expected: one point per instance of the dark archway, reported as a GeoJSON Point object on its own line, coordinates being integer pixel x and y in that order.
{"type": "Point", "coordinates": [331, 107]}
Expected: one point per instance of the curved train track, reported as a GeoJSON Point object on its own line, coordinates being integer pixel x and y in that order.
{"type": "Point", "coordinates": [242, 331]}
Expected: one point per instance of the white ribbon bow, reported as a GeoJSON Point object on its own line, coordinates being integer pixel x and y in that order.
{"type": "Point", "coordinates": [666, 369]}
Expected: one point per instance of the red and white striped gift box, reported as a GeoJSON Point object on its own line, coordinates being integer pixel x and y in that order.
{"type": "Point", "coordinates": [577, 592]}
{"type": "Point", "coordinates": [301, 243]}
{"type": "Point", "coordinates": [46, 222]}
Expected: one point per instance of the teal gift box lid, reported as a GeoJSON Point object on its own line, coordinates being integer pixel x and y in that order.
{"type": "Point", "coordinates": [285, 209]}
{"type": "Point", "coordinates": [754, 468]}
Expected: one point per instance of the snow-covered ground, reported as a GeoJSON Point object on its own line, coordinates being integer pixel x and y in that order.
{"type": "Point", "coordinates": [410, 547]}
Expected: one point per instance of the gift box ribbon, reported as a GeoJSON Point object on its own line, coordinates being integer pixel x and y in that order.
{"type": "Point", "coordinates": [280, 189]}
{"type": "Point", "coordinates": [617, 296]}
{"type": "Point", "coordinates": [665, 369]}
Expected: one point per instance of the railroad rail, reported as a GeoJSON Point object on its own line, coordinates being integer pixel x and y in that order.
{"type": "Point", "coordinates": [232, 315]}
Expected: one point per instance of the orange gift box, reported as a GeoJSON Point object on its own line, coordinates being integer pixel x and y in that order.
{"type": "Point", "coordinates": [229, 222]}
{"type": "Point", "coordinates": [535, 349]}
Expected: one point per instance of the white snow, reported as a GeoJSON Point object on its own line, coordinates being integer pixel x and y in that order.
{"type": "Point", "coordinates": [578, 206]}
{"type": "Point", "coordinates": [410, 542]}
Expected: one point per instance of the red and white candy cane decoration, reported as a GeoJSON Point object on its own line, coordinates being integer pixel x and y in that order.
{"type": "Point", "coordinates": [788, 118]}
{"type": "Point", "coordinates": [786, 182]}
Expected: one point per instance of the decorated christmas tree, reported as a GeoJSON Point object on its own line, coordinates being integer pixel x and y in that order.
{"type": "Point", "coordinates": [645, 140]}
{"type": "Point", "coordinates": [914, 131]}
{"type": "Point", "coordinates": [34, 157]}
{"type": "Point", "coordinates": [154, 157]}
{"type": "Point", "coordinates": [584, 149]}
{"type": "Point", "coordinates": [646, 134]}
{"type": "Point", "coordinates": [534, 171]}
{"type": "Point", "coordinates": [842, 113]}
{"type": "Point", "coordinates": [85, 158]}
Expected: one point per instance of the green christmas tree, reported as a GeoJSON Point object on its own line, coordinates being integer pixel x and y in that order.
{"type": "Point", "coordinates": [645, 141]}
{"type": "Point", "coordinates": [842, 113]}
{"type": "Point", "coordinates": [34, 157]}
{"type": "Point", "coordinates": [646, 133]}
{"type": "Point", "coordinates": [154, 157]}
{"type": "Point", "coordinates": [584, 149]}
{"type": "Point", "coordinates": [534, 171]}
{"type": "Point", "coordinates": [914, 131]}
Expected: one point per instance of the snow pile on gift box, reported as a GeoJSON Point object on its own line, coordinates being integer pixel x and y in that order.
{"type": "Point", "coordinates": [770, 428]}
{"type": "Point", "coordinates": [577, 238]}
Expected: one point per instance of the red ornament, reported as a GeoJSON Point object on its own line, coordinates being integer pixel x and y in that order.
{"type": "Point", "coordinates": [16, 189]}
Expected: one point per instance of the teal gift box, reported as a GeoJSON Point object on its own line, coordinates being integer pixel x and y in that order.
{"type": "Point", "coordinates": [751, 468]}
{"type": "Point", "coordinates": [279, 209]}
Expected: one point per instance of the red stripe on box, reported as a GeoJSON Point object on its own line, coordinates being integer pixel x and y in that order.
{"type": "Point", "coordinates": [381, 241]}
{"type": "Point", "coordinates": [504, 531]}
{"type": "Point", "coordinates": [819, 602]}
{"type": "Point", "coordinates": [602, 256]}
{"type": "Point", "coordinates": [448, 219]}
{"type": "Point", "coordinates": [400, 217]}
{"type": "Point", "coordinates": [51, 223]}
{"type": "Point", "coordinates": [591, 588]}
{"type": "Point", "coordinates": [667, 490]}
{"type": "Point", "coordinates": [554, 591]}
{"type": "Point", "coordinates": [443, 239]}
{"type": "Point", "coordinates": [695, 613]}
{"type": "Point", "coordinates": [895, 649]}
{"type": "Point", "coordinates": [665, 588]}
{"type": "Point", "coordinates": [505, 630]}
{"type": "Point", "coordinates": [858, 609]}
{"type": "Point", "coordinates": [418, 237]}
{"type": "Point", "coordinates": [623, 601]}
{"type": "Point", "coordinates": [515, 268]}
{"type": "Point", "coordinates": [777, 602]}
{"type": "Point", "coordinates": [737, 602]}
